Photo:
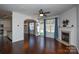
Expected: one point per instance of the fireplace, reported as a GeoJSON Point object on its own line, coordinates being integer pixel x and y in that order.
{"type": "Point", "coordinates": [65, 36]}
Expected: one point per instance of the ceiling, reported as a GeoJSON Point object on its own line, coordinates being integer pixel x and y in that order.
{"type": "Point", "coordinates": [32, 9]}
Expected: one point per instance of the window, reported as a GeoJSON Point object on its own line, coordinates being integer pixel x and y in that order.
{"type": "Point", "coordinates": [31, 26]}
{"type": "Point", "coordinates": [41, 27]}
{"type": "Point", "coordinates": [50, 24]}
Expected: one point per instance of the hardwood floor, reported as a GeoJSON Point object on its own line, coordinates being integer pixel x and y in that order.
{"type": "Point", "coordinates": [35, 45]}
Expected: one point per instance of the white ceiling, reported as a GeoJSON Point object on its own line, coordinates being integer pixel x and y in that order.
{"type": "Point", "coordinates": [32, 9]}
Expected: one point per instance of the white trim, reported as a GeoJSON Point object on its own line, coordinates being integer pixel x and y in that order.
{"type": "Point", "coordinates": [63, 42]}
{"type": "Point", "coordinates": [67, 44]}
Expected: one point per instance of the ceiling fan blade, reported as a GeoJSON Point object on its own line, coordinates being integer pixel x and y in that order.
{"type": "Point", "coordinates": [45, 15]}
{"type": "Point", "coordinates": [47, 12]}
{"type": "Point", "coordinates": [41, 11]}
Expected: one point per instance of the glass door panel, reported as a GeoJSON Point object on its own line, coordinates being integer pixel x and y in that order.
{"type": "Point", "coordinates": [50, 25]}
{"type": "Point", "coordinates": [42, 27]}
{"type": "Point", "coordinates": [31, 25]}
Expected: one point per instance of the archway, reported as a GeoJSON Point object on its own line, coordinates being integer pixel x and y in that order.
{"type": "Point", "coordinates": [29, 28]}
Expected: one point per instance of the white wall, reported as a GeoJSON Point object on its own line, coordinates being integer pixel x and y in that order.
{"type": "Point", "coordinates": [78, 27]}
{"type": "Point", "coordinates": [17, 26]}
{"type": "Point", "coordinates": [71, 15]}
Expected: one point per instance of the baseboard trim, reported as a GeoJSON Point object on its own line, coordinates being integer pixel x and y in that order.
{"type": "Point", "coordinates": [63, 42]}
{"type": "Point", "coordinates": [17, 41]}
{"type": "Point", "coordinates": [46, 37]}
{"type": "Point", "coordinates": [66, 44]}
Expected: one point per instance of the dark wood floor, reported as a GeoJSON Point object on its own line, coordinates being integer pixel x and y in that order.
{"type": "Point", "coordinates": [35, 45]}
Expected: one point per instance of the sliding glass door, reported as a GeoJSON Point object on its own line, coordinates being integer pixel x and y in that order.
{"type": "Point", "coordinates": [50, 28]}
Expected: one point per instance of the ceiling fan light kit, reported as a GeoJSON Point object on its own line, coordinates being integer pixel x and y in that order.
{"type": "Point", "coordinates": [41, 14]}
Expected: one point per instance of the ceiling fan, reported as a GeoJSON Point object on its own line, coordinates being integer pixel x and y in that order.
{"type": "Point", "coordinates": [42, 13]}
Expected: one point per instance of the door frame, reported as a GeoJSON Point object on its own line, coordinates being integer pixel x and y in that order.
{"type": "Point", "coordinates": [28, 22]}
